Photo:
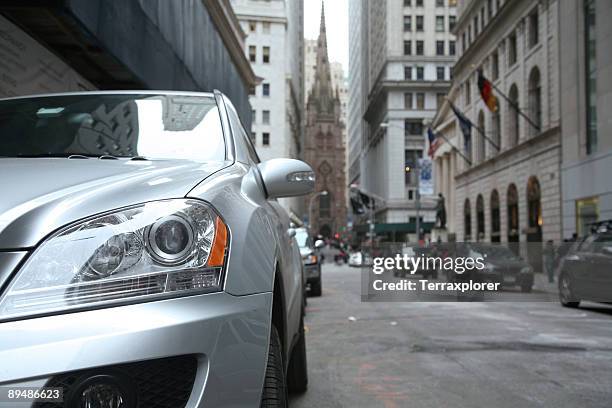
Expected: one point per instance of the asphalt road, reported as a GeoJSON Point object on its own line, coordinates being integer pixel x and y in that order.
{"type": "Point", "coordinates": [410, 354]}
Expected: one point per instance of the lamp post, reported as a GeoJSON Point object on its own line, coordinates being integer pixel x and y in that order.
{"type": "Point", "coordinates": [320, 193]}
{"type": "Point", "coordinates": [417, 172]}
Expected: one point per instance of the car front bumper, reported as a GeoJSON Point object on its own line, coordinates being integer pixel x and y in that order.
{"type": "Point", "coordinates": [227, 335]}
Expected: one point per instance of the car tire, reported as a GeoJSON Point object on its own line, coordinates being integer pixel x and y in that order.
{"type": "Point", "coordinates": [315, 288]}
{"type": "Point", "coordinates": [566, 296]}
{"type": "Point", "coordinates": [297, 374]}
{"type": "Point", "coordinates": [274, 393]}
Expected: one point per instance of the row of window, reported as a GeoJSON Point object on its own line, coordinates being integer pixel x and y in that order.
{"type": "Point", "coordinates": [439, 3]}
{"type": "Point", "coordinates": [265, 90]}
{"type": "Point", "coordinates": [420, 73]}
{"type": "Point", "coordinates": [265, 138]}
{"type": "Point", "coordinates": [420, 47]}
{"type": "Point", "coordinates": [252, 26]}
{"type": "Point", "coordinates": [417, 101]}
{"type": "Point", "coordinates": [265, 117]}
{"type": "Point", "coordinates": [265, 54]}
{"type": "Point", "coordinates": [420, 23]}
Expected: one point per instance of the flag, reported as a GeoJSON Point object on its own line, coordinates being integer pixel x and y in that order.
{"type": "Point", "coordinates": [466, 127]}
{"type": "Point", "coordinates": [433, 142]}
{"type": "Point", "coordinates": [486, 92]}
{"type": "Point", "coordinates": [357, 206]}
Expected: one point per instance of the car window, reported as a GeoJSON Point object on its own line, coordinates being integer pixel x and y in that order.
{"type": "Point", "coordinates": [155, 126]}
{"type": "Point", "coordinates": [303, 238]}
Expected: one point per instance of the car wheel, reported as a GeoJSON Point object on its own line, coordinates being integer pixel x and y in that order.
{"type": "Point", "coordinates": [315, 288]}
{"type": "Point", "coordinates": [274, 394]}
{"type": "Point", "coordinates": [566, 296]}
{"type": "Point", "coordinates": [297, 374]}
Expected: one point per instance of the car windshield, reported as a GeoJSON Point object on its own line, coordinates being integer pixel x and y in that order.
{"type": "Point", "coordinates": [302, 238]}
{"type": "Point", "coordinates": [153, 126]}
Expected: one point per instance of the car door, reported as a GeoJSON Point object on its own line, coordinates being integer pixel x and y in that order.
{"type": "Point", "coordinates": [599, 268]}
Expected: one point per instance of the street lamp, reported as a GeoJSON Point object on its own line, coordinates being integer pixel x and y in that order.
{"type": "Point", "coordinates": [320, 193]}
{"type": "Point", "coordinates": [417, 171]}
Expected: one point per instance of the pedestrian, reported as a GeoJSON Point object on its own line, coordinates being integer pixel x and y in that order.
{"type": "Point", "coordinates": [549, 260]}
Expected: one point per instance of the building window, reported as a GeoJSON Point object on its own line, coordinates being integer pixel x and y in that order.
{"type": "Point", "coordinates": [439, 3]}
{"type": "Point", "coordinates": [496, 123]}
{"type": "Point", "coordinates": [265, 119]}
{"type": "Point", "coordinates": [408, 47]}
{"type": "Point", "coordinates": [480, 141]}
{"type": "Point", "coordinates": [408, 72]}
{"type": "Point", "coordinates": [420, 73]}
{"type": "Point", "coordinates": [407, 23]}
{"type": "Point", "coordinates": [252, 53]}
{"type": "Point", "coordinates": [411, 160]}
{"type": "Point", "coordinates": [482, 17]}
{"type": "Point", "coordinates": [265, 139]}
{"type": "Point", "coordinates": [452, 3]}
{"type": "Point", "coordinates": [413, 127]}
{"type": "Point", "coordinates": [419, 23]}
{"type": "Point", "coordinates": [440, 100]}
{"type": "Point", "coordinates": [420, 100]}
{"type": "Point", "coordinates": [495, 217]}
{"type": "Point", "coordinates": [467, 221]}
{"type": "Point", "coordinates": [420, 48]}
{"type": "Point", "coordinates": [480, 218]}
{"type": "Point", "coordinates": [252, 26]}
{"type": "Point", "coordinates": [254, 116]}
{"type": "Point", "coordinates": [252, 90]}
{"type": "Point", "coordinates": [535, 99]}
{"type": "Point", "coordinates": [495, 66]}
{"type": "Point", "coordinates": [587, 212]}
{"type": "Point", "coordinates": [253, 137]}
{"type": "Point", "coordinates": [439, 47]}
{"type": "Point", "coordinates": [514, 122]}
{"type": "Point", "coordinates": [440, 73]}
{"type": "Point", "coordinates": [408, 100]}
{"type": "Point", "coordinates": [534, 29]}
{"type": "Point", "coordinates": [468, 96]}
{"type": "Point", "coordinates": [266, 27]}
{"type": "Point", "coordinates": [266, 89]}
{"type": "Point", "coordinates": [512, 49]}
{"type": "Point", "coordinates": [452, 22]}
{"type": "Point", "coordinates": [591, 76]}
{"type": "Point", "coordinates": [439, 23]}
{"type": "Point", "coordinates": [490, 9]}
{"type": "Point", "coordinates": [475, 26]}
{"type": "Point", "coordinates": [463, 43]}
{"type": "Point", "coordinates": [407, 3]}
{"type": "Point", "coordinates": [513, 213]}
{"type": "Point", "coordinates": [325, 206]}
{"type": "Point", "coordinates": [266, 55]}
{"type": "Point", "coordinates": [451, 48]}
{"type": "Point", "coordinates": [419, 3]}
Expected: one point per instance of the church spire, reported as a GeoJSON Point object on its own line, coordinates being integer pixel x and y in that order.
{"type": "Point", "coordinates": [322, 89]}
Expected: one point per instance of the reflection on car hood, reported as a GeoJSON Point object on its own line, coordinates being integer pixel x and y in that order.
{"type": "Point", "coordinates": [42, 195]}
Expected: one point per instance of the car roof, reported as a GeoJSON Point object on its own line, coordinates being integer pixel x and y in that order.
{"type": "Point", "coordinates": [118, 92]}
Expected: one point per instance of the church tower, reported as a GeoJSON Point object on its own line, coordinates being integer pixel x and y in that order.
{"type": "Point", "coordinates": [324, 147]}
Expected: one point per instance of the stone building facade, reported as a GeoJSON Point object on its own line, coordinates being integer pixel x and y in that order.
{"type": "Point", "coordinates": [324, 147]}
{"type": "Point", "coordinates": [510, 193]}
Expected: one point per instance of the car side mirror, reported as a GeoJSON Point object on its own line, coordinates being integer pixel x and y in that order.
{"type": "Point", "coordinates": [287, 177]}
{"type": "Point", "coordinates": [319, 243]}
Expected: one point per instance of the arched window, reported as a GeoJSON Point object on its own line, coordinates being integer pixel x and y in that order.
{"type": "Point", "coordinates": [481, 137]}
{"type": "Point", "coordinates": [480, 218]}
{"type": "Point", "coordinates": [325, 205]}
{"type": "Point", "coordinates": [495, 217]}
{"type": "Point", "coordinates": [467, 221]}
{"type": "Point", "coordinates": [496, 131]}
{"type": "Point", "coordinates": [513, 213]}
{"type": "Point", "coordinates": [535, 99]}
{"type": "Point", "coordinates": [513, 117]}
{"type": "Point", "coordinates": [534, 223]}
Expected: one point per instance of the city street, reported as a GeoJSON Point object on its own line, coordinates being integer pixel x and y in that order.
{"type": "Point", "coordinates": [452, 354]}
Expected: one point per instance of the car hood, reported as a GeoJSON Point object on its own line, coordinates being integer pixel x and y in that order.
{"type": "Point", "coordinates": [43, 194]}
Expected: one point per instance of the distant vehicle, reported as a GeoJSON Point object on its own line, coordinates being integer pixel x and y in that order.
{"type": "Point", "coordinates": [311, 259]}
{"type": "Point", "coordinates": [356, 259]}
{"type": "Point", "coordinates": [415, 252]}
{"type": "Point", "coordinates": [585, 273]}
{"type": "Point", "coordinates": [503, 266]}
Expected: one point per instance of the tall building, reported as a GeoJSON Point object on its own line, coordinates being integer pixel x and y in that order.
{"type": "Point", "coordinates": [106, 44]}
{"type": "Point", "coordinates": [274, 46]}
{"type": "Point", "coordinates": [324, 146]}
{"type": "Point", "coordinates": [586, 128]}
{"type": "Point", "coordinates": [355, 125]}
{"type": "Point", "coordinates": [410, 52]}
{"type": "Point", "coordinates": [510, 190]}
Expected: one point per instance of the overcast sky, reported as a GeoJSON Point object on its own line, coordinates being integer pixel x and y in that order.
{"type": "Point", "coordinates": [336, 20]}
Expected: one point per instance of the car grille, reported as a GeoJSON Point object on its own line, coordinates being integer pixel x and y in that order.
{"type": "Point", "coordinates": [161, 383]}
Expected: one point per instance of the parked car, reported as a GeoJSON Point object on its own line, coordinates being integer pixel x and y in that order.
{"type": "Point", "coordinates": [311, 259]}
{"type": "Point", "coordinates": [143, 255]}
{"type": "Point", "coordinates": [356, 259]}
{"type": "Point", "coordinates": [585, 272]}
{"type": "Point", "coordinates": [502, 266]}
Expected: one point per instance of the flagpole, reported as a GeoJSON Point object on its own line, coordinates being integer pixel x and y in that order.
{"type": "Point", "coordinates": [478, 128]}
{"type": "Point", "coordinates": [516, 107]}
{"type": "Point", "coordinates": [455, 148]}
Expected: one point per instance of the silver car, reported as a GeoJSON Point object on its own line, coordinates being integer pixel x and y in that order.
{"type": "Point", "coordinates": [144, 260]}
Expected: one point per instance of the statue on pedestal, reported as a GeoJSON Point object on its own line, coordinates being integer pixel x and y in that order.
{"type": "Point", "coordinates": [441, 212]}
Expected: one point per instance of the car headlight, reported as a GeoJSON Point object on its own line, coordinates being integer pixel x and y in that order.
{"type": "Point", "coordinates": [154, 250]}
{"type": "Point", "coordinates": [310, 259]}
